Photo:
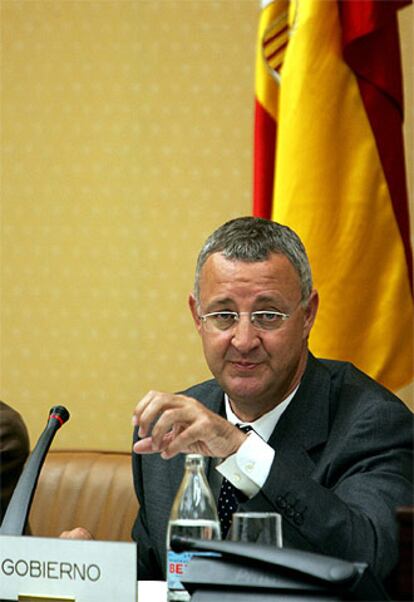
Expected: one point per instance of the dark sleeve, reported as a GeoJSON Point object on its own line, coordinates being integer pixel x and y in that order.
{"type": "Point", "coordinates": [14, 449]}
{"type": "Point", "coordinates": [342, 502]}
{"type": "Point", "coordinates": [148, 567]}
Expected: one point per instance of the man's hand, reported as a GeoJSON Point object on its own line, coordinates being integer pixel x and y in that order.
{"type": "Point", "coordinates": [182, 425]}
{"type": "Point", "coordinates": [77, 533]}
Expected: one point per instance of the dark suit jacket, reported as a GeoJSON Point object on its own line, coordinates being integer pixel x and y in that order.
{"type": "Point", "coordinates": [14, 449]}
{"type": "Point", "coordinates": [343, 463]}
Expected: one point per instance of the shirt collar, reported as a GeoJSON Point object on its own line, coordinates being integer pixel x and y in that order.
{"type": "Point", "coordinates": [265, 425]}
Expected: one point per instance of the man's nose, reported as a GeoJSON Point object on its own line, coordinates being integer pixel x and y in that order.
{"type": "Point", "coordinates": [245, 336]}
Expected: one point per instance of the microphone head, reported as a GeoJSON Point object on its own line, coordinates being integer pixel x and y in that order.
{"type": "Point", "coordinates": [59, 414]}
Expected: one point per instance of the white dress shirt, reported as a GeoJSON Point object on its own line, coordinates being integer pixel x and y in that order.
{"type": "Point", "coordinates": [249, 467]}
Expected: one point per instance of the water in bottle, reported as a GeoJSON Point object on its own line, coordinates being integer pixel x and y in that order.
{"type": "Point", "coordinates": [193, 514]}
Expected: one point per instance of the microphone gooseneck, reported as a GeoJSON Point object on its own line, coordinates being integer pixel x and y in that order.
{"type": "Point", "coordinates": [15, 519]}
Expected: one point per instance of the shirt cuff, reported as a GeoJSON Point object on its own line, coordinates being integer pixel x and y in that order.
{"type": "Point", "coordinates": [249, 467]}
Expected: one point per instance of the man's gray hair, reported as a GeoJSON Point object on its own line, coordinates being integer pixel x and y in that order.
{"type": "Point", "coordinates": [253, 239]}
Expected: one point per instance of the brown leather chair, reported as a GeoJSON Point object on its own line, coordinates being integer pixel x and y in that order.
{"type": "Point", "coordinates": [91, 489]}
{"type": "Point", "coordinates": [400, 584]}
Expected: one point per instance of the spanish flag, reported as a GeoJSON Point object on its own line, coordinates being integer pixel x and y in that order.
{"type": "Point", "coordinates": [329, 162]}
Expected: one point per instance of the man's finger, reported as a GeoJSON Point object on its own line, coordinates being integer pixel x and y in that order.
{"type": "Point", "coordinates": [140, 407]}
{"type": "Point", "coordinates": [144, 446]}
{"type": "Point", "coordinates": [147, 411]}
{"type": "Point", "coordinates": [171, 422]}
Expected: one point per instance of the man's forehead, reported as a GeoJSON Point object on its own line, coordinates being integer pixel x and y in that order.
{"type": "Point", "coordinates": [273, 272]}
{"type": "Point", "coordinates": [219, 261]}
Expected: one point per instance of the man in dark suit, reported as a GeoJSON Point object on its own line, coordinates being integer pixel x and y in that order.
{"type": "Point", "coordinates": [331, 449]}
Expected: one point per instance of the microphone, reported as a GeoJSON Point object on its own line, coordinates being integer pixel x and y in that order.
{"type": "Point", "coordinates": [15, 519]}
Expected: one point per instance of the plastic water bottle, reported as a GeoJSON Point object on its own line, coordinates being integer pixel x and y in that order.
{"type": "Point", "coordinates": [193, 514]}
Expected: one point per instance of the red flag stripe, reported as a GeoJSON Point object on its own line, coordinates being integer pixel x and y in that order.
{"type": "Point", "coordinates": [268, 41]}
{"type": "Point", "coordinates": [371, 49]}
{"type": "Point", "coordinates": [278, 51]}
{"type": "Point", "coordinates": [264, 159]}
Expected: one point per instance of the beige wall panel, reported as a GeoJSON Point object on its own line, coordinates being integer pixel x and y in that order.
{"type": "Point", "coordinates": [127, 131]}
{"type": "Point", "coordinates": [127, 137]}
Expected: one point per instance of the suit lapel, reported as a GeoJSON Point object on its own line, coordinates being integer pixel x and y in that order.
{"type": "Point", "coordinates": [306, 420]}
{"type": "Point", "coordinates": [215, 403]}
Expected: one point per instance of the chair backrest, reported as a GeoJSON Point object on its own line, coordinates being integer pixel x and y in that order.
{"type": "Point", "coordinates": [400, 583]}
{"type": "Point", "coordinates": [91, 489]}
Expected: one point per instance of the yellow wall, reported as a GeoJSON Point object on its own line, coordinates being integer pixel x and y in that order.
{"type": "Point", "coordinates": [127, 137]}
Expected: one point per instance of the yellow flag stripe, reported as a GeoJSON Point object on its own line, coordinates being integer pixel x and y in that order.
{"type": "Point", "coordinates": [330, 187]}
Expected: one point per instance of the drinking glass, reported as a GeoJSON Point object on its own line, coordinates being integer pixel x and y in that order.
{"type": "Point", "coordinates": [257, 527]}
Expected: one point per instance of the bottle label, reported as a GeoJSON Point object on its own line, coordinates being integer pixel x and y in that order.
{"type": "Point", "coordinates": [175, 567]}
{"type": "Point", "coordinates": [176, 564]}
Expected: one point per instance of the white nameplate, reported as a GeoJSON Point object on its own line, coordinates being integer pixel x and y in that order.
{"type": "Point", "coordinates": [69, 569]}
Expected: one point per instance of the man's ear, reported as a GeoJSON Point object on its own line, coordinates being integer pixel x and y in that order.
{"type": "Point", "coordinates": [193, 308]}
{"type": "Point", "coordinates": [311, 311]}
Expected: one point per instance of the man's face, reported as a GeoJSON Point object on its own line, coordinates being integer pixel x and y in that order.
{"type": "Point", "coordinates": [257, 369]}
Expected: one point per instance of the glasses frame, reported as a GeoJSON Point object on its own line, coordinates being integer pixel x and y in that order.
{"type": "Point", "coordinates": [251, 315]}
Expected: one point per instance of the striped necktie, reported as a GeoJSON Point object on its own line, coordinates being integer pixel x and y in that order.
{"type": "Point", "coordinates": [228, 501]}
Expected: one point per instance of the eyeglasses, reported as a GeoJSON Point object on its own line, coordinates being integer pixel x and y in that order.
{"type": "Point", "coordinates": [219, 321]}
